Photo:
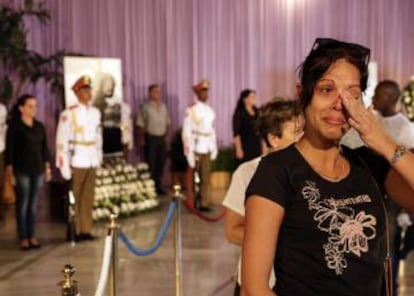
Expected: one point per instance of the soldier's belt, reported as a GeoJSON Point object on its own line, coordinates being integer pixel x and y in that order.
{"type": "Point", "coordinates": [82, 143]}
{"type": "Point", "coordinates": [202, 134]}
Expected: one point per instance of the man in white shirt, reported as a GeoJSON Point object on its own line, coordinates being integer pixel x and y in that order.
{"type": "Point", "coordinates": [200, 143]}
{"type": "Point", "coordinates": [280, 124]}
{"type": "Point", "coordinates": [385, 101]}
{"type": "Point", "coordinates": [79, 153]}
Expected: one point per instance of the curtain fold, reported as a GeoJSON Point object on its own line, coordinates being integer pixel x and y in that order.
{"type": "Point", "coordinates": [237, 44]}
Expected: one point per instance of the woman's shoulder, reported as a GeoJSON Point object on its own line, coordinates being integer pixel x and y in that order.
{"type": "Point", "coordinates": [14, 122]}
{"type": "Point", "coordinates": [238, 112]}
{"type": "Point", "coordinates": [286, 156]}
{"type": "Point", "coordinates": [39, 123]}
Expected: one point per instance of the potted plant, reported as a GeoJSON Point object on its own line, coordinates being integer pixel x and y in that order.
{"type": "Point", "coordinates": [21, 66]}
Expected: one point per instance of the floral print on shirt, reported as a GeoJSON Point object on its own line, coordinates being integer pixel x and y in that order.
{"type": "Point", "coordinates": [349, 232]}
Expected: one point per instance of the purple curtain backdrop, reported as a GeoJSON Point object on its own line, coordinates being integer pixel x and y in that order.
{"type": "Point", "coordinates": [235, 43]}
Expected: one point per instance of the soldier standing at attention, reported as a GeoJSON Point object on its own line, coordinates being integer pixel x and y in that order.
{"type": "Point", "coordinates": [79, 153]}
{"type": "Point", "coordinates": [199, 140]}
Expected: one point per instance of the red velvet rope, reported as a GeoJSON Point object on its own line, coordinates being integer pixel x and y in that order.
{"type": "Point", "coordinates": [204, 217]}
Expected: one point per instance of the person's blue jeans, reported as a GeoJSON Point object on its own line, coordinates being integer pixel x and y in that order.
{"type": "Point", "coordinates": [27, 193]}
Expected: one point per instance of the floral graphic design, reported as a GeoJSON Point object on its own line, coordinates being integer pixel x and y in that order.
{"type": "Point", "coordinates": [355, 233]}
{"type": "Point", "coordinates": [330, 215]}
{"type": "Point", "coordinates": [348, 232]}
{"type": "Point", "coordinates": [311, 193]}
{"type": "Point", "coordinates": [334, 258]}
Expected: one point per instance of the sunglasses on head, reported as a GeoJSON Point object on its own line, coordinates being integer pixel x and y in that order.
{"type": "Point", "coordinates": [355, 50]}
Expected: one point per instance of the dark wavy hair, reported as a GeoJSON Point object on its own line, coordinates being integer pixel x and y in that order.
{"type": "Point", "coordinates": [323, 54]}
{"type": "Point", "coordinates": [21, 101]}
{"type": "Point", "coordinates": [243, 95]}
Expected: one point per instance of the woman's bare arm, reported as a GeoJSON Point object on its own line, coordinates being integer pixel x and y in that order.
{"type": "Point", "coordinates": [262, 225]}
{"type": "Point", "coordinates": [399, 182]}
{"type": "Point", "coordinates": [234, 227]}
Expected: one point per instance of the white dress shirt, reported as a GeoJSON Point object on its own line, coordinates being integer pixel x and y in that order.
{"type": "Point", "coordinates": [79, 139]}
{"type": "Point", "coordinates": [198, 132]}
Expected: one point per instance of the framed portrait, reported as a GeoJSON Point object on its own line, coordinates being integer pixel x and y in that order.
{"type": "Point", "coordinates": [106, 75]}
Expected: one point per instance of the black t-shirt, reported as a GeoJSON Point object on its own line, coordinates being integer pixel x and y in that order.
{"type": "Point", "coordinates": [332, 240]}
{"type": "Point", "coordinates": [244, 125]}
{"type": "Point", "coordinates": [26, 147]}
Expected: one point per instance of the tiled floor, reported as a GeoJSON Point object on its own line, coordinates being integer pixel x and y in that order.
{"type": "Point", "coordinates": [208, 260]}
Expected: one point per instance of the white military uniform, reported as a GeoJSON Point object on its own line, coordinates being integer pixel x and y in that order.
{"type": "Point", "coordinates": [198, 133]}
{"type": "Point", "coordinates": [79, 139]}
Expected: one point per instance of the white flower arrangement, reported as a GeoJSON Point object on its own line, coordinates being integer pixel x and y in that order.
{"type": "Point", "coordinates": [143, 166]}
{"type": "Point", "coordinates": [145, 176]}
{"type": "Point", "coordinates": [408, 99]}
{"type": "Point", "coordinates": [149, 183]}
{"type": "Point", "coordinates": [123, 189]}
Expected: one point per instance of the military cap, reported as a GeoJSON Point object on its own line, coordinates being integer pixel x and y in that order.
{"type": "Point", "coordinates": [83, 81]}
{"type": "Point", "coordinates": [203, 84]}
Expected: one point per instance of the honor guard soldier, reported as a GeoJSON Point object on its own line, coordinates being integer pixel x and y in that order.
{"type": "Point", "coordinates": [79, 153]}
{"type": "Point", "coordinates": [200, 144]}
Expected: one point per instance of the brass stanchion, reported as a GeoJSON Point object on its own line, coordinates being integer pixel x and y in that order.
{"type": "Point", "coordinates": [69, 286]}
{"type": "Point", "coordinates": [178, 198]}
{"type": "Point", "coordinates": [113, 277]}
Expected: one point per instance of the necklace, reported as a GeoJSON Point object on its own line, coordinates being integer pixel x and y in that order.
{"type": "Point", "coordinates": [336, 178]}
